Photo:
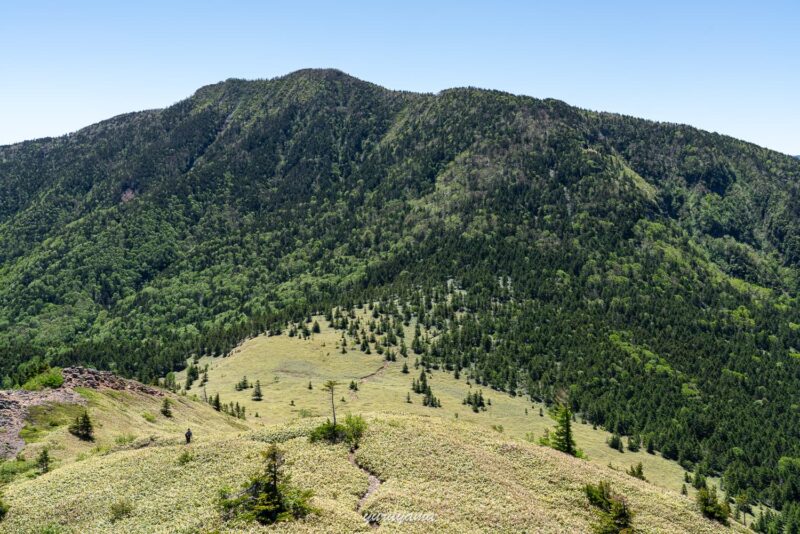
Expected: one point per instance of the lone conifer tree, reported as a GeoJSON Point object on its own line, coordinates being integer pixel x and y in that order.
{"type": "Point", "coordinates": [269, 497]}
{"type": "Point", "coordinates": [562, 439]}
{"type": "Point", "coordinates": [330, 385]}
{"type": "Point", "coordinates": [166, 408]}
{"type": "Point", "coordinates": [43, 461]}
{"type": "Point", "coordinates": [82, 427]}
{"type": "Point", "coordinates": [257, 396]}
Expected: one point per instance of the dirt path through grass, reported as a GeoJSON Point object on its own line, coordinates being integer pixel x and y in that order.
{"type": "Point", "coordinates": [366, 378]}
{"type": "Point", "coordinates": [372, 487]}
{"type": "Point", "coordinates": [379, 371]}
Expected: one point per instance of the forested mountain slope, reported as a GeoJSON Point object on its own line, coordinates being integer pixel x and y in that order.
{"type": "Point", "coordinates": [646, 272]}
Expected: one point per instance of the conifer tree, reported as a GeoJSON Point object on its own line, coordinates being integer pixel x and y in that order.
{"type": "Point", "coordinates": [330, 386]}
{"type": "Point", "coordinates": [269, 497]}
{"type": "Point", "coordinates": [82, 427]}
{"type": "Point", "coordinates": [166, 407]}
{"type": "Point", "coordinates": [43, 461]}
{"type": "Point", "coordinates": [257, 396]}
{"type": "Point", "coordinates": [562, 438]}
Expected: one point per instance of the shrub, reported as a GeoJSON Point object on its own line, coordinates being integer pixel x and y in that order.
{"type": "Point", "coordinates": [613, 514]}
{"type": "Point", "coordinates": [711, 507]}
{"type": "Point", "coordinates": [354, 428]}
{"type": "Point", "coordinates": [124, 439]}
{"type": "Point", "coordinates": [120, 509]}
{"type": "Point", "coordinates": [637, 471]}
{"type": "Point", "coordinates": [3, 508]}
{"type": "Point", "coordinates": [351, 431]}
{"type": "Point", "coordinates": [51, 378]}
{"type": "Point", "coordinates": [269, 497]}
{"type": "Point", "coordinates": [150, 418]}
{"type": "Point", "coordinates": [327, 431]}
{"type": "Point", "coordinates": [185, 457]}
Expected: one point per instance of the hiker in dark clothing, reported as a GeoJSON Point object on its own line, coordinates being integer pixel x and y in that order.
{"type": "Point", "coordinates": [188, 436]}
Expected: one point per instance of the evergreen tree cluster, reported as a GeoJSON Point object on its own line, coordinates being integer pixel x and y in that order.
{"type": "Point", "coordinates": [421, 387]}
{"type": "Point", "coordinates": [475, 400]}
{"type": "Point", "coordinates": [243, 384]}
{"type": "Point", "coordinates": [233, 409]}
{"type": "Point", "coordinates": [82, 427]}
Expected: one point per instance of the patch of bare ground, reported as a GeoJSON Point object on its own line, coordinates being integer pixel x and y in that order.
{"type": "Point", "coordinates": [372, 486]}
{"type": "Point", "coordinates": [15, 404]}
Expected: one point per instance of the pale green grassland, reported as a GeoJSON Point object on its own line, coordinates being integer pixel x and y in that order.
{"type": "Point", "coordinates": [472, 472]}
{"type": "Point", "coordinates": [120, 420]}
{"type": "Point", "coordinates": [468, 479]}
{"type": "Point", "coordinates": [285, 365]}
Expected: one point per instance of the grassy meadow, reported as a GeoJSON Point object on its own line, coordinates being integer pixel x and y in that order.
{"type": "Point", "coordinates": [460, 471]}
{"type": "Point", "coordinates": [461, 477]}
{"type": "Point", "coordinates": [285, 365]}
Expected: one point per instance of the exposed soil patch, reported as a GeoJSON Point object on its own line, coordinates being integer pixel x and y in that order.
{"type": "Point", "coordinates": [15, 404]}
{"type": "Point", "coordinates": [372, 487]}
{"type": "Point", "coordinates": [366, 378]}
{"type": "Point", "coordinates": [376, 373]}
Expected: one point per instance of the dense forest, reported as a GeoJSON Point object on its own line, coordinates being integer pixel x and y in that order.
{"type": "Point", "coordinates": [646, 272]}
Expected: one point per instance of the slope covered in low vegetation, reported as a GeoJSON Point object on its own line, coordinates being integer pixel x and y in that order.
{"type": "Point", "coordinates": [478, 481]}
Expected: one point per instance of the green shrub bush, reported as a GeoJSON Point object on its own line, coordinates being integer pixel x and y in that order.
{"type": "Point", "coordinates": [120, 509]}
{"type": "Point", "coordinates": [51, 378]}
{"type": "Point", "coordinates": [613, 514]}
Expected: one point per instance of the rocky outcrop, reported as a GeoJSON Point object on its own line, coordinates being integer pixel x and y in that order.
{"type": "Point", "coordinates": [91, 378]}
{"type": "Point", "coordinates": [14, 404]}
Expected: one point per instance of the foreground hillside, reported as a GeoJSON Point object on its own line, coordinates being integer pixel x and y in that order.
{"type": "Point", "coordinates": [646, 274]}
{"type": "Point", "coordinates": [452, 476]}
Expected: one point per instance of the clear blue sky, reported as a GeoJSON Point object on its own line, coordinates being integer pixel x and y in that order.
{"type": "Point", "coordinates": [727, 66]}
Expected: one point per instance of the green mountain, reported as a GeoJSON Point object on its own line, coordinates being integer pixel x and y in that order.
{"type": "Point", "coordinates": [645, 273]}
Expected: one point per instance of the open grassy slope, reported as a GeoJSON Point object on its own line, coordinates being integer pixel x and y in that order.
{"type": "Point", "coordinates": [122, 420]}
{"type": "Point", "coordinates": [285, 365]}
{"type": "Point", "coordinates": [468, 479]}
